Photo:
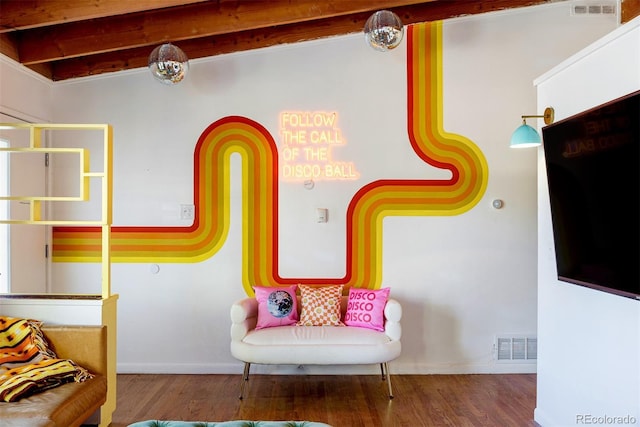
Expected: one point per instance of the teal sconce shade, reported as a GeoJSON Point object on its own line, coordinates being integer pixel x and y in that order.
{"type": "Point", "coordinates": [526, 136]}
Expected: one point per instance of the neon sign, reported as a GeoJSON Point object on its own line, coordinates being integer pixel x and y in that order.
{"type": "Point", "coordinates": [307, 139]}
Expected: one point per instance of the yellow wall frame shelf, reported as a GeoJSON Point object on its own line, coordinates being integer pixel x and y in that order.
{"type": "Point", "coordinates": [90, 309]}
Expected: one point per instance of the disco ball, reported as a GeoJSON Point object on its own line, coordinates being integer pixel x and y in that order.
{"type": "Point", "coordinates": [383, 30]}
{"type": "Point", "coordinates": [168, 64]}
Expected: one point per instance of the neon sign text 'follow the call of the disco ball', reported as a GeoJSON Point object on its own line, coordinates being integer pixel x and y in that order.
{"type": "Point", "coordinates": [307, 139]}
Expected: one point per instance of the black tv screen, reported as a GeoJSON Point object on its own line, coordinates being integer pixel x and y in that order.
{"type": "Point", "coordinates": [593, 163]}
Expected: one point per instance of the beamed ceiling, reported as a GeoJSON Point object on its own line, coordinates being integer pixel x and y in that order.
{"type": "Point", "coordinates": [65, 39]}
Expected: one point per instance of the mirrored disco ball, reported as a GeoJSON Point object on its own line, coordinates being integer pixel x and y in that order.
{"type": "Point", "coordinates": [168, 64]}
{"type": "Point", "coordinates": [383, 30]}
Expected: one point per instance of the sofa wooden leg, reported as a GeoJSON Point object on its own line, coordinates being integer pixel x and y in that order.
{"type": "Point", "coordinates": [245, 378]}
{"type": "Point", "coordinates": [384, 367]}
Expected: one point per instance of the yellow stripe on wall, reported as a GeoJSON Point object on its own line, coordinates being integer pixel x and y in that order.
{"type": "Point", "coordinates": [365, 213]}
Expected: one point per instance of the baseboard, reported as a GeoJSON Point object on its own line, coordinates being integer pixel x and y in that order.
{"type": "Point", "coordinates": [179, 368]}
{"type": "Point", "coordinates": [452, 369]}
{"type": "Point", "coordinates": [395, 368]}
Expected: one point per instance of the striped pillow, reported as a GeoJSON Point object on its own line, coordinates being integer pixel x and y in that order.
{"type": "Point", "coordinates": [22, 342]}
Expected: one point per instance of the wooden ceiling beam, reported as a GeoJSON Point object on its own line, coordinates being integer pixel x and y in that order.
{"type": "Point", "coordinates": [274, 35]}
{"type": "Point", "coordinates": [179, 23]}
{"type": "Point", "coordinates": [24, 14]}
{"type": "Point", "coordinates": [8, 46]}
{"type": "Point", "coordinates": [630, 9]}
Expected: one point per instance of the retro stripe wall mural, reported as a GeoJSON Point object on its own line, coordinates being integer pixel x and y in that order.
{"type": "Point", "coordinates": [259, 154]}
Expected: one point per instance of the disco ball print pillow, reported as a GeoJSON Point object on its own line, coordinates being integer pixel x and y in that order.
{"type": "Point", "coordinates": [276, 306]}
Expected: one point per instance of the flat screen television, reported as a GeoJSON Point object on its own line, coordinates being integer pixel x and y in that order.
{"type": "Point", "coordinates": [593, 163]}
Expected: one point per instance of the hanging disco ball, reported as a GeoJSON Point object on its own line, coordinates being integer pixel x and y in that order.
{"type": "Point", "coordinates": [383, 30]}
{"type": "Point", "coordinates": [168, 64]}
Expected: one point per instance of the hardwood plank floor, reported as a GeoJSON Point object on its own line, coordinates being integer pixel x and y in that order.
{"type": "Point", "coordinates": [341, 401]}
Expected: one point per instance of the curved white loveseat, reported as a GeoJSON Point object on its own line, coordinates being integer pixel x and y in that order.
{"type": "Point", "coordinates": [314, 345]}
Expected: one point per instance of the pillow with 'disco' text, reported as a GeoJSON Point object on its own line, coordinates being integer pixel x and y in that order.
{"type": "Point", "coordinates": [365, 308]}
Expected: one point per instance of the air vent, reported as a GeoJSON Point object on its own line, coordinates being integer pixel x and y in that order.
{"type": "Point", "coordinates": [586, 9]}
{"type": "Point", "coordinates": [516, 349]}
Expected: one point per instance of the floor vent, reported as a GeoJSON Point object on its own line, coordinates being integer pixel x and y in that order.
{"type": "Point", "coordinates": [593, 9]}
{"type": "Point", "coordinates": [516, 349]}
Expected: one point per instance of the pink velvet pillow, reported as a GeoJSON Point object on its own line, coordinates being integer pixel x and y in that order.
{"type": "Point", "coordinates": [365, 308]}
{"type": "Point", "coordinates": [276, 306]}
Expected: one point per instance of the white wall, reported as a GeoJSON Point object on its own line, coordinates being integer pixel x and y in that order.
{"type": "Point", "coordinates": [461, 279]}
{"type": "Point", "coordinates": [24, 94]}
{"type": "Point", "coordinates": [589, 341]}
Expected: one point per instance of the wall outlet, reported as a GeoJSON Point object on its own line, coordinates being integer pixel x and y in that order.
{"type": "Point", "coordinates": [187, 211]}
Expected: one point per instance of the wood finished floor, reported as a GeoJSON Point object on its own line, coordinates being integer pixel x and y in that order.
{"type": "Point", "coordinates": [341, 401]}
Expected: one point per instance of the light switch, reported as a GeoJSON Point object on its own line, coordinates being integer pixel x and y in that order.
{"type": "Point", "coordinates": [323, 214]}
{"type": "Point", "coordinates": [187, 211]}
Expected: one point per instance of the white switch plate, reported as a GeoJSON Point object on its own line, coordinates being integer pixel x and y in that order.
{"type": "Point", "coordinates": [187, 211]}
{"type": "Point", "coordinates": [323, 214]}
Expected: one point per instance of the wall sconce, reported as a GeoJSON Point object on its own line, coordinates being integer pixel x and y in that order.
{"type": "Point", "coordinates": [168, 64]}
{"type": "Point", "coordinates": [383, 30]}
{"type": "Point", "coordinates": [525, 135]}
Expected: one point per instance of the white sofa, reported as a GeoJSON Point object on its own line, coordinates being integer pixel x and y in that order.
{"type": "Point", "coordinates": [314, 345]}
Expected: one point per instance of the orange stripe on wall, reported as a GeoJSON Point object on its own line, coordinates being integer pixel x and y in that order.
{"type": "Point", "coordinates": [258, 151]}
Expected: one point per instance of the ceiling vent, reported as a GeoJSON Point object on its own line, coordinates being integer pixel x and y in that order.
{"type": "Point", "coordinates": [590, 9]}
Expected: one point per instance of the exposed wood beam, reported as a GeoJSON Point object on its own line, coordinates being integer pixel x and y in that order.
{"type": "Point", "coordinates": [63, 39]}
{"type": "Point", "coordinates": [270, 36]}
{"type": "Point", "coordinates": [176, 24]}
{"type": "Point", "coordinates": [630, 9]}
{"type": "Point", "coordinates": [24, 14]}
{"type": "Point", "coordinates": [9, 46]}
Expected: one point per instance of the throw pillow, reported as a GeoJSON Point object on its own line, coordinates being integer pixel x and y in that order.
{"type": "Point", "coordinates": [276, 306]}
{"type": "Point", "coordinates": [365, 308]}
{"type": "Point", "coordinates": [320, 305]}
{"type": "Point", "coordinates": [22, 342]}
